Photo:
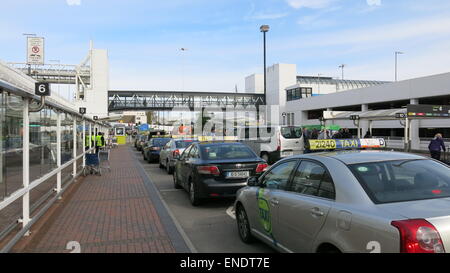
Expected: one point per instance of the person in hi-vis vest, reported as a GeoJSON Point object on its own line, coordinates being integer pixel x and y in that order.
{"type": "Point", "coordinates": [99, 142]}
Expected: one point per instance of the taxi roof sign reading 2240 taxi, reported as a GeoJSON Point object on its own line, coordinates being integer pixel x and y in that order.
{"type": "Point", "coordinates": [341, 144]}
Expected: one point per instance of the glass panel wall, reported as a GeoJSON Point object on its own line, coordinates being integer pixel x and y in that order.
{"type": "Point", "coordinates": [11, 136]}
{"type": "Point", "coordinates": [42, 142]}
{"type": "Point", "coordinates": [66, 145]}
{"type": "Point", "coordinates": [11, 140]}
{"type": "Point", "coordinates": [66, 137]}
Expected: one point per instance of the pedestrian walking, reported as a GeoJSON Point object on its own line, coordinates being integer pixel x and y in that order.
{"type": "Point", "coordinates": [436, 145]}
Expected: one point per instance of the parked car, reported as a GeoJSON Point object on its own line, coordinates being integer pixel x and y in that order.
{"type": "Point", "coordinates": [153, 147]}
{"type": "Point", "coordinates": [216, 169]}
{"type": "Point", "coordinates": [139, 142]}
{"type": "Point", "coordinates": [272, 143]}
{"type": "Point", "coordinates": [349, 201]}
{"type": "Point", "coordinates": [171, 150]}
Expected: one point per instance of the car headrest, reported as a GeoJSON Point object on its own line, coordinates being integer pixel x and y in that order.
{"type": "Point", "coordinates": [425, 180]}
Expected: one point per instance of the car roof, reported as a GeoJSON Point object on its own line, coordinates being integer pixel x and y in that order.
{"type": "Point", "coordinates": [218, 142]}
{"type": "Point", "coordinates": [364, 156]}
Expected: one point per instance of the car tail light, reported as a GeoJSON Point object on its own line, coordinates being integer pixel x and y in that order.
{"type": "Point", "coordinates": [214, 170]}
{"type": "Point", "coordinates": [418, 236]}
{"type": "Point", "coordinates": [176, 152]}
{"type": "Point", "coordinates": [261, 168]}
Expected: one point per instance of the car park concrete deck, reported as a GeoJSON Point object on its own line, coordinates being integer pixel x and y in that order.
{"type": "Point", "coordinates": [118, 212]}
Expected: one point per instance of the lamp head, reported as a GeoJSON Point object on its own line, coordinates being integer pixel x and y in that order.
{"type": "Point", "coordinates": [264, 28]}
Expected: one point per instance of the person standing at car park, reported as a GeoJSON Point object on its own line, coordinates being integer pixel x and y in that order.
{"type": "Point", "coordinates": [338, 134]}
{"type": "Point", "coordinates": [100, 142]}
{"type": "Point", "coordinates": [314, 134]}
{"type": "Point", "coordinates": [324, 134]}
{"type": "Point", "coordinates": [435, 146]}
{"type": "Point", "coordinates": [347, 134]}
{"type": "Point", "coordinates": [368, 135]}
{"type": "Point", "coordinates": [306, 137]}
{"type": "Point", "coordinates": [86, 142]}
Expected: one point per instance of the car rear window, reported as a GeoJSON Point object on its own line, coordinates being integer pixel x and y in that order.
{"type": "Point", "coordinates": [183, 144]}
{"type": "Point", "coordinates": [291, 132]}
{"type": "Point", "coordinates": [403, 180]}
{"type": "Point", "coordinates": [160, 141]}
{"type": "Point", "coordinates": [226, 151]}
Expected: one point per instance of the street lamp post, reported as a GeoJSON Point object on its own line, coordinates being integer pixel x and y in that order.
{"type": "Point", "coordinates": [183, 49]}
{"type": "Point", "coordinates": [396, 64]}
{"type": "Point", "coordinates": [264, 29]}
{"type": "Point", "coordinates": [342, 66]}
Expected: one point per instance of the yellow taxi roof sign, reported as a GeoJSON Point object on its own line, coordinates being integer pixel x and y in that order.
{"type": "Point", "coordinates": [340, 144]}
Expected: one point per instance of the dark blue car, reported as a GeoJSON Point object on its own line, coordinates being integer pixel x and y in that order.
{"type": "Point", "coordinates": [153, 148]}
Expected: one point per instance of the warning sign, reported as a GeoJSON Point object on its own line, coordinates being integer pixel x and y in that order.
{"type": "Point", "coordinates": [35, 50]}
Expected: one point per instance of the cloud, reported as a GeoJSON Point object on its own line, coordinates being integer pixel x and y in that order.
{"type": "Point", "coordinates": [374, 2]}
{"type": "Point", "coordinates": [73, 2]}
{"type": "Point", "coordinates": [311, 4]}
{"type": "Point", "coordinates": [267, 16]}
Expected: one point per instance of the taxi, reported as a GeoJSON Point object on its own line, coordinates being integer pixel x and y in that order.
{"type": "Point", "coordinates": [215, 168]}
{"type": "Point", "coordinates": [349, 201]}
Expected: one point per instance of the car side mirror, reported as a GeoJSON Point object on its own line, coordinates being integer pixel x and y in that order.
{"type": "Point", "coordinates": [252, 181]}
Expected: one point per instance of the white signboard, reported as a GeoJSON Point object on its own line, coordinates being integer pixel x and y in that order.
{"type": "Point", "coordinates": [35, 50]}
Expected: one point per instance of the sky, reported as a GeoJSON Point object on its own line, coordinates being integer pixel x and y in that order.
{"type": "Point", "coordinates": [223, 41]}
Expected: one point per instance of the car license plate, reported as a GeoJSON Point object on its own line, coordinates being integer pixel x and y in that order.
{"type": "Point", "coordinates": [240, 174]}
{"type": "Point", "coordinates": [287, 154]}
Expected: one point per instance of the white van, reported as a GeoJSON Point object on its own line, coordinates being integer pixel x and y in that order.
{"type": "Point", "coordinates": [272, 142]}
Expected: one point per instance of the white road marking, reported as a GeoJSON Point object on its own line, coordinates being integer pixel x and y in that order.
{"type": "Point", "coordinates": [231, 212]}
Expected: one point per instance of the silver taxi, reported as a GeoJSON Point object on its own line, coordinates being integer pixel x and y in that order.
{"type": "Point", "coordinates": [172, 150]}
{"type": "Point", "coordinates": [349, 201]}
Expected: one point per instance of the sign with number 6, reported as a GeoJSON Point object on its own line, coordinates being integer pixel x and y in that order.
{"type": "Point", "coordinates": [42, 89]}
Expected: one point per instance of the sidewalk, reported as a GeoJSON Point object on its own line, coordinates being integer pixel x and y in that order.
{"type": "Point", "coordinates": [119, 211]}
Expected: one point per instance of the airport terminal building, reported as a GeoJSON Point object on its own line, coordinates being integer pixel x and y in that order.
{"type": "Point", "coordinates": [304, 100]}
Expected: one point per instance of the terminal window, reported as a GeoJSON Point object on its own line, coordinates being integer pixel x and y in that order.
{"type": "Point", "coordinates": [298, 93]}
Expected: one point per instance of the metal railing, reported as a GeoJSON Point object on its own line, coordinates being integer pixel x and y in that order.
{"type": "Point", "coordinates": [24, 193]}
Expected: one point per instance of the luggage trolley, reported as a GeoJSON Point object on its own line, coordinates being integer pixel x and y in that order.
{"type": "Point", "coordinates": [103, 155]}
{"type": "Point", "coordinates": [92, 165]}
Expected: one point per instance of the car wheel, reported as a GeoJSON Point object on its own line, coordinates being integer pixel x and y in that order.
{"type": "Point", "coordinates": [175, 181]}
{"type": "Point", "coordinates": [193, 197]}
{"type": "Point", "coordinates": [168, 168]}
{"type": "Point", "coordinates": [243, 225]}
{"type": "Point", "coordinates": [161, 166]}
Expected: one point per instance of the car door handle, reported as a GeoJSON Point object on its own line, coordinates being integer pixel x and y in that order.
{"type": "Point", "coordinates": [317, 212]}
{"type": "Point", "coordinates": [274, 202]}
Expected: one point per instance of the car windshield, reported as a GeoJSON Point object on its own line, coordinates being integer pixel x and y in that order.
{"type": "Point", "coordinates": [403, 180]}
{"type": "Point", "coordinates": [159, 142]}
{"type": "Point", "coordinates": [226, 151]}
{"type": "Point", "coordinates": [291, 132]}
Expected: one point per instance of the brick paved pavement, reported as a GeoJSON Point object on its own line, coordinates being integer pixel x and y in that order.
{"type": "Point", "coordinates": [119, 211]}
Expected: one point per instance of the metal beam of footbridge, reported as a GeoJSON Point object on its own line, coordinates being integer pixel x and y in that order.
{"type": "Point", "coordinates": [122, 100]}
